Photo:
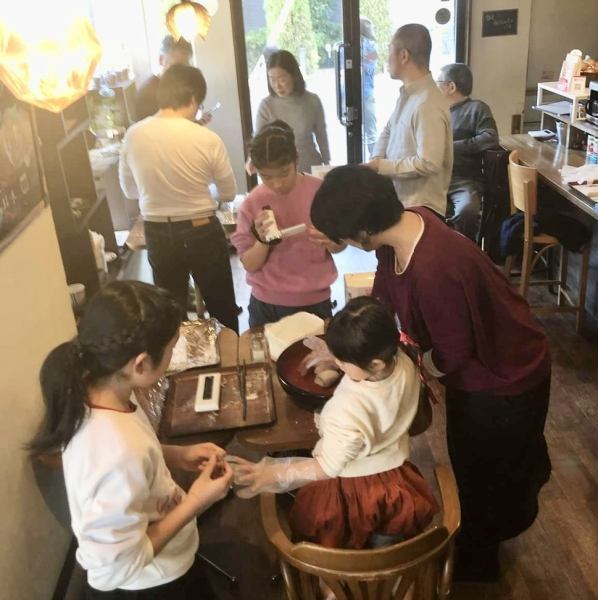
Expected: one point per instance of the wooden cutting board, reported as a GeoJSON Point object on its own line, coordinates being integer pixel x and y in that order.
{"type": "Point", "coordinates": [180, 418]}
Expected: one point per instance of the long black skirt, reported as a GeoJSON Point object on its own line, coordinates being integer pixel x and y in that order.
{"type": "Point", "coordinates": [500, 459]}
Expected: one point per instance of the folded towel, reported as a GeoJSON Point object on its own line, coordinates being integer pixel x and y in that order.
{"type": "Point", "coordinates": [287, 331]}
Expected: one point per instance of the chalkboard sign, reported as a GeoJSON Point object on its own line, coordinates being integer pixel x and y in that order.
{"type": "Point", "coordinates": [21, 189]}
{"type": "Point", "coordinates": [499, 22]}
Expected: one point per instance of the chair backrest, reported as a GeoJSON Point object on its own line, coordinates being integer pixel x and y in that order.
{"type": "Point", "coordinates": [522, 181]}
{"type": "Point", "coordinates": [388, 573]}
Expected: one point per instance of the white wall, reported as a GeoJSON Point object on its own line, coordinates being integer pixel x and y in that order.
{"type": "Point", "coordinates": [499, 64]}
{"type": "Point", "coordinates": [36, 316]}
{"type": "Point", "coordinates": [215, 56]}
{"type": "Point", "coordinates": [556, 28]}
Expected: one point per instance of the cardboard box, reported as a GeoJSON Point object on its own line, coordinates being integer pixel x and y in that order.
{"type": "Point", "coordinates": [358, 284]}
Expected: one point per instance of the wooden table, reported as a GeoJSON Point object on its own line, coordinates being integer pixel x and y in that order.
{"type": "Point", "coordinates": [294, 428]}
{"type": "Point", "coordinates": [548, 158]}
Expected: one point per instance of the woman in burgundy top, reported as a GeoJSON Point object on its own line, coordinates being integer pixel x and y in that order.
{"type": "Point", "coordinates": [479, 338]}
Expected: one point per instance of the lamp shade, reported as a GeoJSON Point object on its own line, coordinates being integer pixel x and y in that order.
{"type": "Point", "coordinates": [188, 20]}
{"type": "Point", "coordinates": [47, 64]}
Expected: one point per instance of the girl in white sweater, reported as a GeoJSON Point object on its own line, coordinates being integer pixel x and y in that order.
{"type": "Point", "coordinates": [135, 527]}
{"type": "Point", "coordinates": [359, 489]}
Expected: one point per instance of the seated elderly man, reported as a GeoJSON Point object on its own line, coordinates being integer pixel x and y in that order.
{"type": "Point", "coordinates": [474, 130]}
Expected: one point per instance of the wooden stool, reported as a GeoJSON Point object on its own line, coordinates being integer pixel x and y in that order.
{"type": "Point", "coordinates": [523, 184]}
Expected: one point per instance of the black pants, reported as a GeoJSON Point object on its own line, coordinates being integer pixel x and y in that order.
{"type": "Point", "coordinates": [193, 585]}
{"type": "Point", "coordinates": [176, 249]}
{"type": "Point", "coordinates": [261, 313]}
{"type": "Point", "coordinates": [500, 459]}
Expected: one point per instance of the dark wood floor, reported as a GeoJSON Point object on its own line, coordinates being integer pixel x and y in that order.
{"type": "Point", "coordinates": [556, 559]}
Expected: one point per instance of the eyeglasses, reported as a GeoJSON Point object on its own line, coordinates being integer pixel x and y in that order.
{"type": "Point", "coordinates": [442, 82]}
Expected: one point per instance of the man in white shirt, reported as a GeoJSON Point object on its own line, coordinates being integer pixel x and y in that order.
{"type": "Point", "coordinates": [415, 148]}
{"type": "Point", "coordinates": [167, 161]}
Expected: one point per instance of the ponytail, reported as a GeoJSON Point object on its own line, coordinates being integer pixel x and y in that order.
{"type": "Point", "coordinates": [64, 393]}
{"type": "Point", "coordinates": [120, 322]}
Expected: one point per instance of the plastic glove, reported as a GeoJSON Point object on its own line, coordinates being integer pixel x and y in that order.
{"type": "Point", "coordinates": [277, 475]}
{"type": "Point", "coordinates": [319, 356]}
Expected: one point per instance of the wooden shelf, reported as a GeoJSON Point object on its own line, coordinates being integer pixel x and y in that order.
{"type": "Point", "coordinates": [551, 87]}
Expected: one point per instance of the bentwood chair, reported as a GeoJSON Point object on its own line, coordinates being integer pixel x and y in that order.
{"type": "Point", "coordinates": [421, 566]}
{"type": "Point", "coordinates": [523, 184]}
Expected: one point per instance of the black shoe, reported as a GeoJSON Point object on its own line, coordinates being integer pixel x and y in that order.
{"type": "Point", "coordinates": [476, 564]}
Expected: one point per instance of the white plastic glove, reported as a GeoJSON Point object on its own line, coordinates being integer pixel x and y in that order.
{"type": "Point", "coordinates": [277, 475]}
{"type": "Point", "coordinates": [319, 357]}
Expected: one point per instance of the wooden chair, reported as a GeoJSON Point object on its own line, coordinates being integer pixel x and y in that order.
{"type": "Point", "coordinates": [423, 564]}
{"type": "Point", "coordinates": [523, 185]}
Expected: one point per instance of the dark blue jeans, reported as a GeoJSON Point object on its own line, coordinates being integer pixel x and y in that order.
{"type": "Point", "coordinates": [176, 249]}
{"type": "Point", "coordinates": [261, 313]}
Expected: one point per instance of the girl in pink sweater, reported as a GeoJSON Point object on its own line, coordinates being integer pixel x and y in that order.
{"type": "Point", "coordinates": [296, 273]}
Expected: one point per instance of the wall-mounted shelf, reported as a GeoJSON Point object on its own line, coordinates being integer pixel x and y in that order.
{"type": "Point", "coordinates": [573, 98]}
{"type": "Point", "coordinates": [65, 154]}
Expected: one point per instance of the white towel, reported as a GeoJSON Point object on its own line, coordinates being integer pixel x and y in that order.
{"type": "Point", "coordinates": [287, 331]}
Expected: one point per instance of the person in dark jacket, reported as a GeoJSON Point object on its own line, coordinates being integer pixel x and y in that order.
{"type": "Point", "coordinates": [172, 52]}
{"type": "Point", "coordinates": [474, 130]}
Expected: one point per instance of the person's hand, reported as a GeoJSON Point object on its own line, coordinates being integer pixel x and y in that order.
{"type": "Point", "coordinates": [205, 118]}
{"type": "Point", "coordinates": [319, 356]}
{"type": "Point", "coordinates": [373, 164]}
{"type": "Point", "coordinates": [262, 223]}
{"type": "Point", "coordinates": [264, 476]}
{"type": "Point", "coordinates": [194, 458]}
{"type": "Point", "coordinates": [320, 239]}
{"type": "Point", "coordinates": [250, 168]}
{"type": "Point", "coordinates": [212, 485]}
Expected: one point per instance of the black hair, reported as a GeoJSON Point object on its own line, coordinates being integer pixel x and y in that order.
{"type": "Point", "coordinates": [363, 331]}
{"type": "Point", "coordinates": [366, 28]}
{"type": "Point", "coordinates": [169, 44]}
{"type": "Point", "coordinates": [354, 199]}
{"type": "Point", "coordinates": [273, 146]}
{"type": "Point", "coordinates": [123, 320]}
{"type": "Point", "coordinates": [179, 85]}
{"type": "Point", "coordinates": [460, 75]}
{"type": "Point", "coordinates": [283, 59]}
{"type": "Point", "coordinates": [416, 39]}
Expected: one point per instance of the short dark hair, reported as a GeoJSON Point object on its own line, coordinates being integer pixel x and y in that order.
{"type": "Point", "coordinates": [460, 75]}
{"type": "Point", "coordinates": [179, 85]}
{"type": "Point", "coordinates": [273, 146]}
{"type": "Point", "coordinates": [283, 59]}
{"type": "Point", "coordinates": [353, 199]}
{"type": "Point", "coordinates": [416, 39]}
{"type": "Point", "coordinates": [169, 44]}
{"type": "Point", "coordinates": [363, 331]}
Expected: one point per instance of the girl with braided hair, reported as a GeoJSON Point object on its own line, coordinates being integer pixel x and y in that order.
{"type": "Point", "coordinates": [135, 527]}
{"type": "Point", "coordinates": [296, 273]}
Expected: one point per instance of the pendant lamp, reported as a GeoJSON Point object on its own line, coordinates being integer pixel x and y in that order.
{"type": "Point", "coordinates": [47, 55]}
{"type": "Point", "coordinates": [189, 19]}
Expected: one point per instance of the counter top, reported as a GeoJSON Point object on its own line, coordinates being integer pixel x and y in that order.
{"type": "Point", "coordinates": [548, 158]}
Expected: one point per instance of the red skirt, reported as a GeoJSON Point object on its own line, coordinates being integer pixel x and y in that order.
{"type": "Point", "coordinates": [344, 512]}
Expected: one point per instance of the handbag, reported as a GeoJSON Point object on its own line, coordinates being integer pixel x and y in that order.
{"type": "Point", "coordinates": [424, 414]}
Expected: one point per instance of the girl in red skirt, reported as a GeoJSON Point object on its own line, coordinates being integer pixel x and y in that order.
{"type": "Point", "coordinates": [359, 489]}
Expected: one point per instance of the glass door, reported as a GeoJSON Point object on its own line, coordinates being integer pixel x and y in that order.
{"type": "Point", "coordinates": [378, 20]}
{"type": "Point", "coordinates": [310, 30]}
{"type": "Point", "coordinates": [341, 47]}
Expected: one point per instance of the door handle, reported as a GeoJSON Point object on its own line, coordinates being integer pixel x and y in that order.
{"type": "Point", "coordinates": [339, 74]}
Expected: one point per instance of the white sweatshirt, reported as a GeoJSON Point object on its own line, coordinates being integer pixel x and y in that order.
{"type": "Point", "coordinates": [364, 427]}
{"type": "Point", "coordinates": [117, 483]}
{"type": "Point", "coordinates": [168, 163]}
